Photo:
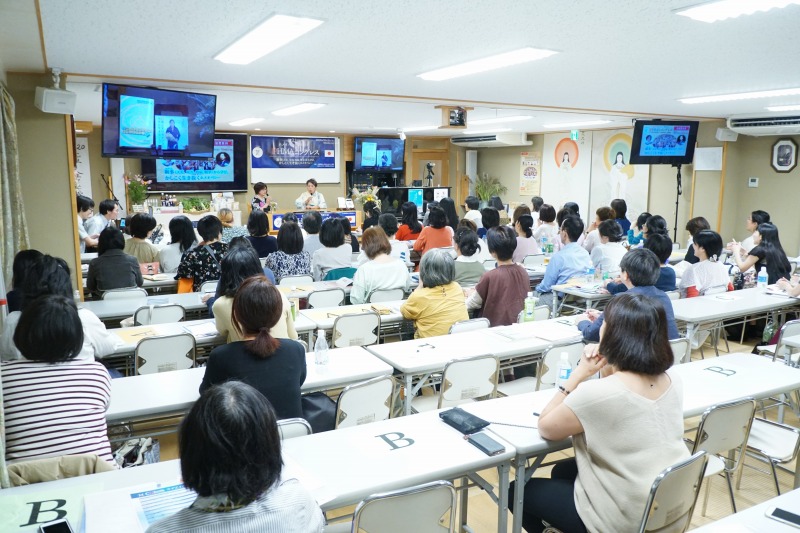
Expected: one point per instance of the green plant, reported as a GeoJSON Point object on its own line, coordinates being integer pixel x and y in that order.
{"type": "Point", "coordinates": [487, 186]}
{"type": "Point", "coordinates": [137, 189]}
{"type": "Point", "coordinates": [195, 204]}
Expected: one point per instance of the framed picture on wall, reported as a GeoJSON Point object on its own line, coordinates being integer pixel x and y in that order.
{"type": "Point", "coordinates": [784, 155]}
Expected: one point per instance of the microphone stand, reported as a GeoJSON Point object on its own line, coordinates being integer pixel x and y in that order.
{"type": "Point", "coordinates": [114, 196]}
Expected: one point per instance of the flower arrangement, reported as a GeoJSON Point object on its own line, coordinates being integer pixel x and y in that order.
{"type": "Point", "coordinates": [369, 195]}
{"type": "Point", "coordinates": [137, 188]}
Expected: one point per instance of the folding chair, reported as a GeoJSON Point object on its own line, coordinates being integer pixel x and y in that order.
{"type": "Point", "coordinates": [158, 314]}
{"type": "Point", "coordinates": [288, 281]}
{"type": "Point", "coordinates": [386, 295]}
{"type": "Point", "coordinates": [780, 348]}
{"type": "Point", "coordinates": [673, 495]}
{"type": "Point", "coordinates": [673, 295]}
{"type": "Point", "coordinates": [326, 298]}
{"type": "Point", "coordinates": [290, 428]}
{"type": "Point", "coordinates": [120, 294]}
{"type": "Point", "coordinates": [540, 312]}
{"type": "Point", "coordinates": [463, 380]}
{"type": "Point", "coordinates": [772, 443]}
{"type": "Point", "coordinates": [546, 370]}
{"type": "Point", "coordinates": [338, 273]}
{"type": "Point", "coordinates": [533, 260]}
{"type": "Point", "coordinates": [680, 349]}
{"type": "Point", "coordinates": [427, 508]}
{"type": "Point", "coordinates": [365, 402]}
{"type": "Point", "coordinates": [209, 286]}
{"type": "Point", "coordinates": [469, 325]}
{"type": "Point", "coordinates": [724, 429]}
{"type": "Point", "coordinates": [164, 354]}
{"type": "Point", "coordinates": [489, 264]}
{"type": "Point", "coordinates": [361, 329]}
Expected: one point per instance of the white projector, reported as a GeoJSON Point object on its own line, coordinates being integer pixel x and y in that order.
{"type": "Point", "coordinates": [55, 100]}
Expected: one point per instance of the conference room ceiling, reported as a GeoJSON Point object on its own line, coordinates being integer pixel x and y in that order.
{"type": "Point", "coordinates": [616, 60]}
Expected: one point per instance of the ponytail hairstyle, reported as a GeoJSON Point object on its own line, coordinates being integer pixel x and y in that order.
{"type": "Point", "coordinates": [371, 209]}
{"type": "Point", "coordinates": [611, 230]}
{"type": "Point", "coordinates": [525, 224]}
{"type": "Point", "coordinates": [257, 307]}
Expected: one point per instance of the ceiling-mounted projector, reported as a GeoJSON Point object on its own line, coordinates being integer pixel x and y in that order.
{"type": "Point", "coordinates": [53, 99]}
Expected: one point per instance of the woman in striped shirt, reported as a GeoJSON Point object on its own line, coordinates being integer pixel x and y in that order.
{"type": "Point", "coordinates": [54, 403]}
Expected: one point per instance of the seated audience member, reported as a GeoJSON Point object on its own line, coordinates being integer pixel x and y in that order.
{"type": "Point", "coordinates": [349, 239]}
{"type": "Point", "coordinates": [437, 235]}
{"type": "Point", "coordinates": [654, 224]}
{"type": "Point", "coordinates": [400, 250]}
{"type": "Point", "coordinates": [201, 263]}
{"type": "Point", "coordinates": [410, 227]}
{"type": "Point", "coordinates": [573, 207]}
{"type": "Point", "coordinates": [54, 400]}
{"type": "Point", "coordinates": [371, 214]}
{"type": "Point", "coordinates": [498, 204]}
{"type": "Point", "coordinates": [142, 226]}
{"type": "Point", "coordinates": [438, 302]}
{"type": "Point", "coordinates": [335, 253]}
{"type": "Point", "coordinates": [613, 462]}
{"type": "Point", "coordinates": [572, 260]}
{"type": "Point", "coordinates": [381, 272]}
{"type": "Point", "coordinates": [536, 203]}
{"type": "Point", "coordinates": [182, 239]}
{"type": "Point", "coordinates": [490, 218]}
{"type": "Point", "coordinates": [526, 242]}
{"type": "Point", "coordinates": [105, 218]}
{"type": "Point", "coordinates": [563, 213]}
{"type": "Point", "coordinates": [239, 264]}
{"type": "Point", "coordinates": [661, 245]}
{"type": "Point", "coordinates": [243, 242]}
{"type": "Point", "coordinates": [469, 268]}
{"type": "Point", "coordinates": [471, 205]}
{"type": "Point", "coordinates": [767, 252]}
{"type": "Point", "coordinates": [449, 208]}
{"type": "Point", "coordinates": [547, 228]}
{"type": "Point", "coordinates": [609, 251]}
{"type": "Point", "coordinates": [290, 259]}
{"type": "Point", "coordinates": [23, 261]}
{"type": "Point", "coordinates": [312, 222]}
{"type": "Point", "coordinates": [501, 292]}
{"type": "Point", "coordinates": [592, 235]}
{"type": "Point", "coordinates": [641, 269]}
{"type": "Point", "coordinates": [85, 206]}
{"type": "Point", "coordinates": [752, 223]}
{"type": "Point", "coordinates": [49, 276]}
{"type": "Point", "coordinates": [229, 229]}
{"type": "Point", "coordinates": [520, 210]}
{"type": "Point", "coordinates": [262, 241]}
{"type": "Point", "coordinates": [230, 450]}
{"type": "Point", "coordinates": [694, 226]}
{"type": "Point", "coordinates": [113, 268]}
{"type": "Point", "coordinates": [707, 273]}
{"type": "Point", "coordinates": [275, 367]}
{"type": "Point", "coordinates": [621, 213]}
{"type": "Point", "coordinates": [634, 238]}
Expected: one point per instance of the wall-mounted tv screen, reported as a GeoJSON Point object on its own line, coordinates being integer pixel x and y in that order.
{"type": "Point", "coordinates": [225, 171]}
{"type": "Point", "coordinates": [663, 142]}
{"type": "Point", "coordinates": [379, 155]}
{"type": "Point", "coordinates": [148, 122]}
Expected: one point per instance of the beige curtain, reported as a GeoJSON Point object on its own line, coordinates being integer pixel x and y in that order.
{"type": "Point", "coordinates": [13, 229]}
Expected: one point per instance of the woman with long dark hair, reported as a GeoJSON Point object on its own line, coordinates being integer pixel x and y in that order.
{"type": "Point", "coordinates": [371, 214]}
{"type": "Point", "coordinates": [182, 239]}
{"type": "Point", "coordinates": [410, 227]}
{"type": "Point", "coordinates": [767, 252]}
{"type": "Point", "coordinates": [449, 208]}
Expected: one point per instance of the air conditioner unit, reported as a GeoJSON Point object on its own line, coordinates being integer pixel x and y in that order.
{"type": "Point", "coordinates": [759, 125]}
{"type": "Point", "coordinates": [499, 139]}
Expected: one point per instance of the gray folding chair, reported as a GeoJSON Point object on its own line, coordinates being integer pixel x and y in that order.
{"type": "Point", "coordinates": [361, 329]}
{"type": "Point", "coordinates": [289, 428]}
{"type": "Point", "coordinates": [533, 260]}
{"type": "Point", "coordinates": [288, 281]}
{"type": "Point", "coordinates": [463, 381]}
{"type": "Point", "coordinates": [326, 298]}
{"type": "Point", "coordinates": [158, 314]}
{"type": "Point", "coordinates": [120, 294]}
{"type": "Point", "coordinates": [546, 370]}
{"type": "Point", "coordinates": [673, 495]}
{"type": "Point", "coordinates": [164, 354]}
{"type": "Point", "coordinates": [386, 295]}
{"type": "Point", "coordinates": [680, 349]}
{"type": "Point", "coordinates": [772, 443]}
{"type": "Point", "coordinates": [427, 508]}
{"type": "Point", "coordinates": [469, 325]}
{"type": "Point", "coordinates": [365, 402]}
{"type": "Point", "coordinates": [209, 286]}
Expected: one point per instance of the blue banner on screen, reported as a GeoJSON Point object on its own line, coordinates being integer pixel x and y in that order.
{"type": "Point", "coordinates": [277, 218]}
{"type": "Point", "coordinates": [292, 152]}
{"type": "Point", "coordinates": [664, 140]}
{"type": "Point", "coordinates": [219, 169]}
{"type": "Point", "coordinates": [136, 121]}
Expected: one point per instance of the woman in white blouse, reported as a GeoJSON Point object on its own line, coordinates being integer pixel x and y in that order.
{"type": "Point", "coordinates": [607, 255]}
{"type": "Point", "coordinates": [382, 271]}
{"type": "Point", "coordinates": [182, 239]}
{"type": "Point", "coordinates": [707, 273]}
{"type": "Point", "coordinates": [592, 238]}
{"type": "Point", "coordinates": [547, 227]}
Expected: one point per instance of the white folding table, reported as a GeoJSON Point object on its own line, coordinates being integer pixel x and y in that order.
{"type": "Point", "coordinates": [754, 519]}
{"type": "Point", "coordinates": [125, 307]}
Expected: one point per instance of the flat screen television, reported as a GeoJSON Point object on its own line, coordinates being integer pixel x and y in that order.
{"type": "Point", "coordinates": [148, 122]}
{"type": "Point", "coordinates": [378, 154]}
{"type": "Point", "coordinates": [225, 171]}
{"type": "Point", "coordinates": [663, 142]}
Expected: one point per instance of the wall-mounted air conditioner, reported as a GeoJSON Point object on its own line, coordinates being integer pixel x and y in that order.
{"type": "Point", "coordinates": [498, 139]}
{"type": "Point", "coordinates": [759, 125]}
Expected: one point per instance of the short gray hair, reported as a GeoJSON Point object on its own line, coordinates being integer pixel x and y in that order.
{"type": "Point", "coordinates": [437, 268]}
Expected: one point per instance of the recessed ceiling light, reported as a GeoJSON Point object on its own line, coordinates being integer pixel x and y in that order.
{"type": "Point", "coordinates": [523, 55]}
{"type": "Point", "coordinates": [479, 132]}
{"type": "Point", "coordinates": [576, 124]}
{"type": "Point", "coordinates": [784, 108]}
{"type": "Point", "coordinates": [245, 121]}
{"type": "Point", "coordinates": [740, 96]}
{"type": "Point", "coordinates": [499, 120]}
{"type": "Point", "coordinates": [267, 37]}
{"type": "Point", "coordinates": [295, 109]}
{"type": "Point", "coordinates": [419, 128]}
{"type": "Point", "coordinates": [727, 9]}
{"type": "Point", "coordinates": [257, 129]}
{"type": "Point", "coordinates": [331, 131]}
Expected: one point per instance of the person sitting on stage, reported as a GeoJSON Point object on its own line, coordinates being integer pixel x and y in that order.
{"type": "Point", "coordinates": [142, 226]}
{"type": "Point", "coordinates": [707, 273]}
{"type": "Point", "coordinates": [572, 260]}
{"type": "Point", "coordinates": [290, 259]}
{"type": "Point", "coordinates": [381, 272]}
{"type": "Point", "coordinates": [230, 452]}
{"type": "Point", "coordinates": [113, 268]}
{"type": "Point", "coordinates": [311, 198]}
{"type": "Point", "coordinates": [261, 200]}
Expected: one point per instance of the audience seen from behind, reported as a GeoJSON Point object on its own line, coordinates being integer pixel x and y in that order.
{"type": "Point", "coordinates": [290, 259]}
{"type": "Point", "coordinates": [182, 239]}
{"type": "Point", "coordinates": [572, 260]}
{"type": "Point", "coordinates": [410, 226]}
{"type": "Point", "coordinates": [437, 235]}
{"type": "Point", "coordinates": [621, 213]}
{"type": "Point", "coordinates": [400, 250]}
{"type": "Point", "coordinates": [592, 235]}
{"type": "Point", "coordinates": [472, 206]}
{"type": "Point", "coordinates": [141, 227]}
{"type": "Point", "coordinates": [469, 267]}
{"type": "Point", "coordinates": [635, 238]}
{"type": "Point", "coordinates": [244, 242]}
{"type": "Point", "coordinates": [349, 239]}
{"type": "Point", "coordinates": [229, 229]}
{"type": "Point", "coordinates": [608, 252]}
{"type": "Point", "coordinates": [707, 273]}
{"type": "Point", "coordinates": [112, 268]}
{"type": "Point", "coordinates": [312, 223]}
{"type": "Point", "coordinates": [661, 245]}
{"type": "Point", "coordinates": [767, 252]}
{"type": "Point", "coordinates": [449, 207]}
{"type": "Point", "coordinates": [547, 228]}
{"type": "Point", "coordinates": [201, 263]}
{"type": "Point", "coordinates": [694, 226]}
{"type": "Point", "coordinates": [23, 262]}
{"type": "Point", "coordinates": [381, 272]}
{"type": "Point", "coordinates": [526, 243]}
{"type": "Point", "coordinates": [258, 227]}
{"type": "Point", "coordinates": [490, 218]}
{"type": "Point", "coordinates": [371, 214]}
{"type": "Point", "coordinates": [335, 253]}
{"type": "Point", "coordinates": [536, 203]}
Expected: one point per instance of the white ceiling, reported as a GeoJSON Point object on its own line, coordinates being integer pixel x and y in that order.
{"type": "Point", "coordinates": [617, 58]}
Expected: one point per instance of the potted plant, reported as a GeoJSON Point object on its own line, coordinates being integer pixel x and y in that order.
{"type": "Point", "coordinates": [487, 186]}
{"type": "Point", "coordinates": [137, 191]}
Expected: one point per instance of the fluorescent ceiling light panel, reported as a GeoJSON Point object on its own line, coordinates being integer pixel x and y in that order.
{"type": "Point", "coordinates": [499, 120]}
{"type": "Point", "coordinates": [727, 9]}
{"type": "Point", "coordinates": [784, 108]}
{"type": "Point", "coordinates": [419, 128]}
{"type": "Point", "coordinates": [479, 132]}
{"type": "Point", "coordinates": [523, 55]}
{"type": "Point", "coordinates": [245, 121]}
{"type": "Point", "coordinates": [295, 109]}
{"type": "Point", "coordinates": [267, 37]}
{"type": "Point", "coordinates": [740, 96]}
{"type": "Point", "coordinates": [577, 124]}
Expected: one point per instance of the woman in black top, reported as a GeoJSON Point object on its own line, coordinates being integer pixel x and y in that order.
{"type": "Point", "coordinates": [768, 252]}
{"type": "Point", "coordinates": [201, 263]}
{"type": "Point", "coordinates": [371, 214]}
{"type": "Point", "coordinates": [274, 367]}
{"type": "Point", "coordinates": [349, 238]}
{"type": "Point", "coordinates": [258, 227]}
{"type": "Point", "coordinates": [113, 268]}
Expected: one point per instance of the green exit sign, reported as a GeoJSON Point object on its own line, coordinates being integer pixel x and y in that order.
{"type": "Point", "coordinates": [574, 134]}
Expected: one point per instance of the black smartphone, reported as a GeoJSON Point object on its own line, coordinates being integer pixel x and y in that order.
{"type": "Point", "coordinates": [486, 444]}
{"type": "Point", "coordinates": [781, 515]}
{"type": "Point", "coordinates": [56, 526]}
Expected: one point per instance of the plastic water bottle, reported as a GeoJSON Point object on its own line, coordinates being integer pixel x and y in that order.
{"type": "Point", "coordinates": [530, 304]}
{"type": "Point", "coordinates": [321, 349]}
{"type": "Point", "coordinates": [544, 245]}
{"type": "Point", "coordinates": [761, 281]}
{"type": "Point", "coordinates": [564, 369]}
{"type": "Point", "coordinates": [590, 275]}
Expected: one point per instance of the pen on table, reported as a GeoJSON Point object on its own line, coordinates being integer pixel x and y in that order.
{"type": "Point", "coordinates": [535, 413]}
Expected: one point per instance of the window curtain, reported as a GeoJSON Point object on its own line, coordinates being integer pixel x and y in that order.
{"type": "Point", "coordinates": [13, 229]}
